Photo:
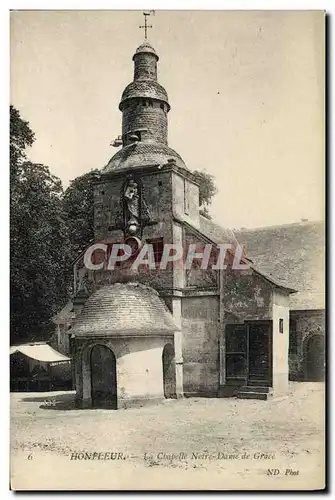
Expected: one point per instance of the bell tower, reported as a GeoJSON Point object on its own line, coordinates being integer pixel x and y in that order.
{"type": "Point", "coordinates": [145, 187]}
{"type": "Point", "coordinates": [144, 102]}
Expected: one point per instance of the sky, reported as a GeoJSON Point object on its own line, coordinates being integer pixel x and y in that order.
{"type": "Point", "coordinates": [246, 90]}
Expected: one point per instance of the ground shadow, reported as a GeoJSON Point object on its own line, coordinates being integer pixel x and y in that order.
{"type": "Point", "coordinates": [64, 401]}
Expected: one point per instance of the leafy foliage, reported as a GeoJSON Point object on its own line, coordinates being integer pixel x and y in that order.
{"type": "Point", "coordinates": [38, 238]}
{"type": "Point", "coordinates": [207, 190]}
{"type": "Point", "coordinates": [78, 205]}
{"type": "Point", "coordinates": [21, 136]}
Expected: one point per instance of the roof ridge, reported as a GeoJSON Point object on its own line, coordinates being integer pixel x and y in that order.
{"type": "Point", "coordinates": [276, 226]}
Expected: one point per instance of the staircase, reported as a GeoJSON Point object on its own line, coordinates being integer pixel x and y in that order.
{"type": "Point", "coordinates": [254, 390]}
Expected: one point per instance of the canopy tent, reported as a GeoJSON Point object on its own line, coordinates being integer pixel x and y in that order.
{"type": "Point", "coordinates": [40, 352]}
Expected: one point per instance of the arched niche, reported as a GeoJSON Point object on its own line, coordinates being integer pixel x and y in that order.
{"type": "Point", "coordinates": [103, 377]}
{"type": "Point", "coordinates": [314, 354]}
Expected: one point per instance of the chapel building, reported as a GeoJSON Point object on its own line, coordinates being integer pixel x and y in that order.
{"type": "Point", "coordinates": [142, 335]}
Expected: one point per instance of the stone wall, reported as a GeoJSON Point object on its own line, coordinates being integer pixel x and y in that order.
{"type": "Point", "coordinates": [149, 115]}
{"type": "Point", "coordinates": [307, 323]}
{"type": "Point", "coordinates": [145, 66]}
{"type": "Point", "coordinates": [195, 276]}
{"type": "Point", "coordinates": [245, 295]}
{"type": "Point", "coordinates": [139, 369]}
{"type": "Point", "coordinates": [200, 327]}
{"type": "Point", "coordinates": [157, 193]}
{"type": "Point", "coordinates": [185, 196]}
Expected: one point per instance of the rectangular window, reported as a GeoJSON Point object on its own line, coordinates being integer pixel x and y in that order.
{"type": "Point", "coordinates": [157, 245]}
{"type": "Point", "coordinates": [293, 348]}
{"type": "Point", "coordinates": [281, 325]}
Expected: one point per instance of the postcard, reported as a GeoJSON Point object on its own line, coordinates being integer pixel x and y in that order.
{"type": "Point", "coordinates": [167, 171]}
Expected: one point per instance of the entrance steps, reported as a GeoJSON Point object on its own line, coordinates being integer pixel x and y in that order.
{"type": "Point", "coordinates": [254, 392]}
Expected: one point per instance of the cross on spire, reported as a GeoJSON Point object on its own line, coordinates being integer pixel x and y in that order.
{"type": "Point", "coordinates": [146, 26]}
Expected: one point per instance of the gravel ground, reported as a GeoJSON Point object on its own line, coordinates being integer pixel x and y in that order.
{"type": "Point", "coordinates": [178, 444]}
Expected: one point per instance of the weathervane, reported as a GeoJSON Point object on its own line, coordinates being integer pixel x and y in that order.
{"type": "Point", "coordinates": [146, 26]}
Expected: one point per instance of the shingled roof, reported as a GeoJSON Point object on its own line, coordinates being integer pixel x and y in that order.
{"type": "Point", "coordinates": [124, 309]}
{"type": "Point", "coordinates": [215, 232]}
{"type": "Point", "coordinates": [219, 234]}
{"type": "Point", "coordinates": [143, 153]}
{"type": "Point", "coordinates": [144, 88]}
{"type": "Point", "coordinates": [294, 255]}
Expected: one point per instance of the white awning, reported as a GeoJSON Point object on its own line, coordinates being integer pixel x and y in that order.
{"type": "Point", "coordinates": [40, 352]}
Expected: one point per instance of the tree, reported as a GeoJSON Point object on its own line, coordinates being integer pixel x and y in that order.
{"type": "Point", "coordinates": [78, 205]}
{"type": "Point", "coordinates": [207, 190]}
{"type": "Point", "coordinates": [21, 136]}
{"type": "Point", "coordinates": [38, 238]}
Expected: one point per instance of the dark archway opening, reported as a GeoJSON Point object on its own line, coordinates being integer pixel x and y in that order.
{"type": "Point", "coordinates": [315, 358]}
{"type": "Point", "coordinates": [169, 372]}
{"type": "Point", "coordinates": [103, 378]}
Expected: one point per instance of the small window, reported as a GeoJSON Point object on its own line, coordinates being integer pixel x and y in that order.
{"type": "Point", "coordinates": [281, 325]}
{"type": "Point", "coordinates": [157, 245]}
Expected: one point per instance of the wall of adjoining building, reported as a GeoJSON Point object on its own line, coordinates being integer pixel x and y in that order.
{"type": "Point", "coordinates": [308, 322]}
{"type": "Point", "coordinates": [280, 341]}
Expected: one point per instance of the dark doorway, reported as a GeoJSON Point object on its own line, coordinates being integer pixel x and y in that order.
{"type": "Point", "coordinates": [103, 378]}
{"type": "Point", "coordinates": [259, 352]}
{"type": "Point", "coordinates": [169, 371]}
{"type": "Point", "coordinates": [236, 352]}
{"type": "Point", "coordinates": [315, 358]}
{"type": "Point", "coordinates": [249, 353]}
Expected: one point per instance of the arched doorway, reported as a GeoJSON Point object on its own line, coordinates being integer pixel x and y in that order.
{"type": "Point", "coordinates": [103, 378]}
{"type": "Point", "coordinates": [169, 371]}
{"type": "Point", "coordinates": [315, 358]}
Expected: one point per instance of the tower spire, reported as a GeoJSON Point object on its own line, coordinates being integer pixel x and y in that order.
{"type": "Point", "coordinates": [146, 25]}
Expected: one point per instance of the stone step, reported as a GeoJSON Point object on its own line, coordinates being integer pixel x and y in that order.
{"type": "Point", "coordinates": [248, 388]}
{"type": "Point", "coordinates": [253, 395]}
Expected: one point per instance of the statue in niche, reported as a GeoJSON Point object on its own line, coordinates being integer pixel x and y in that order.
{"type": "Point", "coordinates": [132, 206]}
{"type": "Point", "coordinates": [133, 213]}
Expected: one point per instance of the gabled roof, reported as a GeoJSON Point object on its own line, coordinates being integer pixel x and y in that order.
{"type": "Point", "coordinates": [215, 232]}
{"type": "Point", "coordinates": [294, 255]}
{"type": "Point", "coordinates": [218, 234]}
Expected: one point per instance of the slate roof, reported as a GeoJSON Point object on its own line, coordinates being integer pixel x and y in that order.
{"type": "Point", "coordinates": [124, 309]}
{"type": "Point", "coordinates": [215, 232]}
{"type": "Point", "coordinates": [143, 154]}
{"type": "Point", "coordinates": [146, 47]}
{"type": "Point", "coordinates": [220, 234]}
{"type": "Point", "coordinates": [144, 88]}
{"type": "Point", "coordinates": [293, 254]}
